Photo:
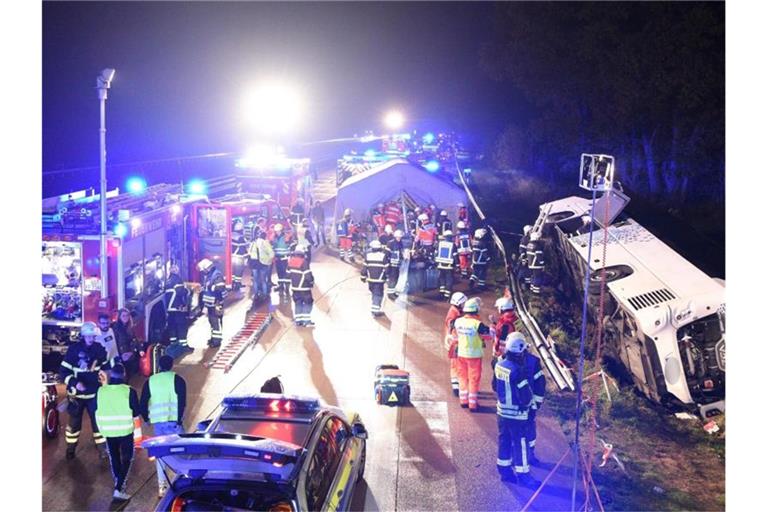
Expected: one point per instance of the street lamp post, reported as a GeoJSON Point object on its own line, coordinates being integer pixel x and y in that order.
{"type": "Point", "coordinates": [103, 82]}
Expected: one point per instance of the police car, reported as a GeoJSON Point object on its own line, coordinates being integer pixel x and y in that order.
{"type": "Point", "coordinates": [265, 452]}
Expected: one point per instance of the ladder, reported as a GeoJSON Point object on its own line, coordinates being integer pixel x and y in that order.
{"type": "Point", "coordinates": [247, 336]}
{"type": "Point", "coordinates": [539, 224]}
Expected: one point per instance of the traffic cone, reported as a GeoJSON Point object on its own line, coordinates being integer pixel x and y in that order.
{"type": "Point", "coordinates": [137, 437]}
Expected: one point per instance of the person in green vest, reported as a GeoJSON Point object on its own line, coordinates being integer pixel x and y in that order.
{"type": "Point", "coordinates": [117, 404]}
{"type": "Point", "coordinates": [163, 400]}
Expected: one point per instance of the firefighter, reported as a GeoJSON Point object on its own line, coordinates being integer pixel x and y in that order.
{"type": "Point", "coordinates": [282, 247]}
{"type": "Point", "coordinates": [177, 306]}
{"type": "Point", "coordinates": [344, 234]}
{"type": "Point", "coordinates": [374, 272]}
{"type": "Point", "coordinates": [471, 335]}
{"type": "Point", "coordinates": [480, 257]}
{"type": "Point", "coordinates": [454, 311]}
{"type": "Point", "coordinates": [463, 214]}
{"type": "Point", "coordinates": [106, 337]}
{"type": "Point", "coordinates": [446, 260]}
{"type": "Point", "coordinates": [302, 281]}
{"type": "Point", "coordinates": [395, 253]}
{"type": "Point", "coordinates": [513, 399]}
{"type": "Point", "coordinates": [426, 236]}
{"type": "Point", "coordinates": [214, 292]}
{"type": "Point", "coordinates": [117, 408]}
{"type": "Point", "coordinates": [503, 326]}
{"type": "Point", "coordinates": [444, 223]}
{"type": "Point", "coordinates": [239, 253]}
{"type": "Point", "coordinates": [297, 212]}
{"type": "Point", "coordinates": [522, 259]}
{"type": "Point", "coordinates": [163, 400]}
{"type": "Point", "coordinates": [377, 218]}
{"type": "Point", "coordinates": [463, 248]}
{"type": "Point", "coordinates": [260, 258]}
{"type": "Point", "coordinates": [392, 214]}
{"type": "Point", "coordinates": [386, 236]}
{"type": "Point", "coordinates": [80, 374]}
{"type": "Point", "coordinates": [539, 387]}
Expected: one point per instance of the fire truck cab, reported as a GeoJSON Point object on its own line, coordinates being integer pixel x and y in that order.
{"type": "Point", "coordinates": [283, 179]}
{"type": "Point", "coordinates": [146, 233]}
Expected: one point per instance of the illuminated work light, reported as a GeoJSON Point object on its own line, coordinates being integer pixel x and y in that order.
{"type": "Point", "coordinates": [136, 185]}
{"type": "Point", "coordinates": [196, 187]}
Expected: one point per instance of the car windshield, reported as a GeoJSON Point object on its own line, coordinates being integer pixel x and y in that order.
{"type": "Point", "coordinates": [290, 432]}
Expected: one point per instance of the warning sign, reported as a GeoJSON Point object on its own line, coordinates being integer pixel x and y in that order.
{"type": "Point", "coordinates": [392, 397]}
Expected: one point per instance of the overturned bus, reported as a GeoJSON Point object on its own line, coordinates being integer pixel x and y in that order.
{"type": "Point", "coordinates": [663, 318]}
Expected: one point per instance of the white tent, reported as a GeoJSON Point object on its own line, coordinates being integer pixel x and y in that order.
{"type": "Point", "coordinates": [388, 181]}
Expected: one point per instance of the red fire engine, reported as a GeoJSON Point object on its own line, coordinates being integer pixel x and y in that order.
{"type": "Point", "coordinates": [213, 224]}
{"type": "Point", "coordinates": [147, 232]}
{"type": "Point", "coordinates": [283, 179]}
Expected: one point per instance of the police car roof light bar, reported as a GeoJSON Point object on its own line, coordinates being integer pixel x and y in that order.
{"type": "Point", "coordinates": [269, 402]}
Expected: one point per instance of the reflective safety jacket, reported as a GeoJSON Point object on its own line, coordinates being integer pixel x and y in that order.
{"type": "Point", "coordinates": [395, 252]}
{"type": "Point", "coordinates": [163, 403]}
{"type": "Point", "coordinates": [503, 326]}
{"type": "Point", "coordinates": [281, 246]}
{"type": "Point", "coordinates": [178, 389]}
{"type": "Point", "coordinates": [82, 364]}
{"type": "Point", "coordinates": [426, 235]}
{"type": "Point", "coordinates": [297, 214]}
{"type": "Point", "coordinates": [261, 251]}
{"type": "Point", "coordinates": [463, 242]}
{"type": "Point", "coordinates": [513, 391]}
{"type": "Point", "coordinates": [446, 255]}
{"type": "Point", "coordinates": [301, 276]}
{"type": "Point", "coordinates": [375, 267]}
{"type": "Point", "coordinates": [444, 224]}
{"type": "Point", "coordinates": [343, 228]}
{"type": "Point", "coordinates": [176, 294]}
{"type": "Point", "coordinates": [116, 406]}
{"type": "Point", "coordinates": [214, 289]}
{"type": "Point", "coordinates": [480, 253]}
{"type": "Point", "coordinates": [392, 214]}
{"type": "Point", "coordinates": [536, 375]}
{"type": "Point", "coordinates": [471, 333]}
{"type": "Point", "coordinates": [239, 244]}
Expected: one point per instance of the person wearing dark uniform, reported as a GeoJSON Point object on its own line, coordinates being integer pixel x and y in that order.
{"type": "Point", "coordinates": [463, 248]}
{"type": "Point", "coordinates": [214, 292]}
{"type": "Point", "coordinates": [282, 247]}
{"type": "Point", "coordinates": [443, 223]}
{"type": "Point", "coordinates": [80, 374]}
{"type": "Point", "coordinates": [117, 405]}
{"type": "Point", "coordinates": [513, 400]}
{"type": "Point", "coordinates": [480, 258]}
{"type": "Point", "coordinates": [395, 253]}
{"type": "Point", "coordinates": [302, 282]}
{"type": "Point", "coordinates": [539, 385]}
{"type": "Point", "coordinates": [374, 273]}
{"type": "Point", "coordinates": [177, 305]}
{"type": "Point", "coordinates": [503, 327]}
{"type": "Point", "coordinates": [446, 259]}
{"type": "Point", "coordinates": [298, 213]}
{"type": "Point", "coordinates": [239, 254]}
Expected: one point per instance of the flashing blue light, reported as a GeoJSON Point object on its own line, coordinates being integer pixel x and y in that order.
{"type": "Point", "coordinates": [136, 185]}
{"type": "Point", "coordinates": [428, 138]}
{"type": "Point", "coordinates": [370, 153]}
{"type": "Point", "coordinates": [197, 187]}
{"type": "Point", "coordinates": [432, 166]}
{"type": "Point", "coordinates": [121, 230]}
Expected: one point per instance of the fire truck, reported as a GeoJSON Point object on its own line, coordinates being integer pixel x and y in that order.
{"type": "Point", "coordinates": [147, 232]}
{"type": "Point", "coordinates": [284, 179]}
{"type": "Point", "coordinates": [213, 226]}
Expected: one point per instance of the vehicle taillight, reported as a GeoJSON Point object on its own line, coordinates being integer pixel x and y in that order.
{"type": "Point", "coordinates": [178, 504]}
{"type": "Point", "coordinates": [279, 405]}
{"type": "Point", "coordinates": [274, 406]}
{"type": "Point", "coordinates": [708, 384]}
{"type": "Point", "coordinates": [281, 507]}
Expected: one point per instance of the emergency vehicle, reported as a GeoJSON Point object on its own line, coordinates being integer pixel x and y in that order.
{"type": "Point", "coordinates": [265, 451]}
{"type": "Point", "coordinates": [147, 232]}
{"type": "Point", "coordinates": [213, 223]}
{"type": "Point", "coordinates": [664, 318]}
{"type": "Point", "coordinates": [283, 179]}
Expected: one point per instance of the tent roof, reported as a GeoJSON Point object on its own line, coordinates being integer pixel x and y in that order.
{"type": "Point", "coordinates": [388, 180]}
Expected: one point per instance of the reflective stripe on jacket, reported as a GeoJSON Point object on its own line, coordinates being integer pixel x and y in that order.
{"type": "Point", "coordinates": [374, 269]}
{"type": "Point", "coordinates": [163, 402]}
{"type": "Point", "coordinates": [470, 342]}
{"type": "Point", "coordinates": [113, 410]}
{"type": "Point", "coordinates": [513, 392]}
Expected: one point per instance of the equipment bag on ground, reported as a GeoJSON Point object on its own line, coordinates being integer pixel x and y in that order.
{"type": "Point", "coordinates": [148, 365]}
{"type": "Point", "coordinates": [392, 385]}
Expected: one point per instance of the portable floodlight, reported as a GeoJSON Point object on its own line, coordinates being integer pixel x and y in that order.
{"type": "Point", "coordinates": [596, 172]}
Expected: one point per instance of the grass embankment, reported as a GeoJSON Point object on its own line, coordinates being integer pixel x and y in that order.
{"type": "Point", "coordinates": [669, 463]}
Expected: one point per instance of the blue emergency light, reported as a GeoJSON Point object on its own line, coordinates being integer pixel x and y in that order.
{"type": "Point", "coordinates": [136, 185]}
{"type": "Point", "coordinates": [432, 166]}
{"type": "Point", "coordinates": [121, 230]}
{"type": "Point", "coordinates": [428, 138]}
{"type": "Point", "coordinates": [196, 187]}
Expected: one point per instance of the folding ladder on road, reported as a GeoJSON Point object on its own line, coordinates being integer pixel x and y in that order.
{"type": "Point", "coordinates": [255, 324]}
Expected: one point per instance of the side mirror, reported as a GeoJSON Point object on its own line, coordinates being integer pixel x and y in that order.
{"type": "Point", "coordinates": [358, 430]}
{"type": "Point", "coordinates": [203, 426]}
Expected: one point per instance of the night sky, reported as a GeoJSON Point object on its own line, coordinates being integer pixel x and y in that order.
{"type": "Point", "coordinates": [183, 70]}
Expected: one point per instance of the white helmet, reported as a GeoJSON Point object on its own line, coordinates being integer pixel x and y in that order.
{"type": "Point", "coordinates": [458, 298]}
{"type": "Point", "coordinates": [448, 232]}
{"type": "Point", "coordinates": [277, 227]}
{"type": "Point", "coordinates": [398, 234]}
{"type": "Point", "coordinates": [504, 304]}
{"type": "Point", "coordinates": [515, 343]}
{"type": "Point", "coordinates": [238, 226]}
{"type": "Point", "coordinates": [443, 213]}
{"type": "Point", "coordinates": [460, 225]}
{"type": "Point", "coordinates": [381, 205]}
{"type": "Point", "coordinates": [472, 305]}
{"type": "Point", "coordinates": [375, 244]}
{"type": "Point", "coordinates": [461, 205]}
{"type": "Point", "coordinates": [204, 265]}
{"type": "Point", "coordinates": [423, 216]}
{"type": "Point", "coordinates": [388, 229]}
{"type": "Point", "coordinates": [417, 209]}
{"type": "Point", "coordinates": [526, 230]}
{"type": "Point", "coordinates": [480, 233]}
{"type": "Point", "coordinates": [347, 212]}
{"type": "Point", "coordinates": [89, 329]}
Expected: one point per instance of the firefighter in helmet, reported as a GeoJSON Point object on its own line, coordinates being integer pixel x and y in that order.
{"type": "Point", "coordinates": [214, 292]}
{"type": "Point", "coordinates": [239, 253]}
{"type": "Point", "coordinates": [444, 223]}
{"type": "Point", "coordinates": [374, 273]}
{"type": "Point", "coordinates": [539, 387]}
{"type": "Point", "coordinates": [471, 335]}
{"type": "Point", "coordinates": [177, 305]}
{"type": "Point", "coordinates": [302, 282]}
{"type": "Point", "coordinates": [80, 373]}
{"type": "Point", "coordinates": [480, 258]}
{"type": "Point", "coordinates": [502, 327]}
{"type": "Point", "coordinates": [282, 247]}
{"type": "Point", "coordinates": [344, 234]}
{"type": "Point", "coordinates": [395, 252]}
{"type": "Point", "coordinates": [446, 259]}
{"type": "Point", "coordinates": [464, 248]}
{"type": "Point", "coordinates": [454, 311]}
